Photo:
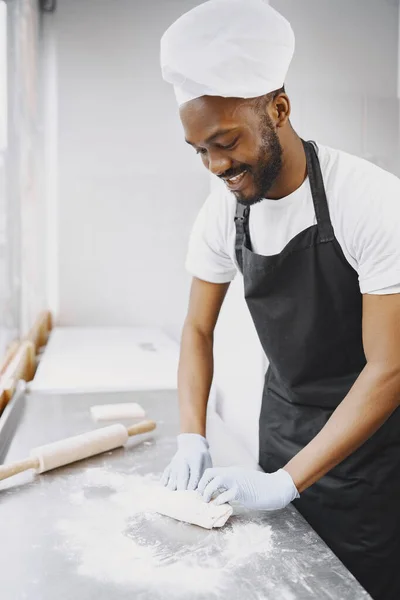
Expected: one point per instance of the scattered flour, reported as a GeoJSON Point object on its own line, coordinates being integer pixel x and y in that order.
{"type": "Point", "coordinates": [112, 535]}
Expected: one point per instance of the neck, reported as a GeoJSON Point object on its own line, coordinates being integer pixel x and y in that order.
{"type": "Point", "coordinates": [294, 167]}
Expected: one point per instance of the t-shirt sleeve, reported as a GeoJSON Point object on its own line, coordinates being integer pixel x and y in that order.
{"type": "Point", "coordinates": [393, 289]}
{"type": "Point", "coordinates": [376, 236]}
{"type": "Point", "coordinates": [208, 256]}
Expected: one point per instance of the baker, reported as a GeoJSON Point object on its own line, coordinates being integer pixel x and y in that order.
{"type": "Point", "coordinates": [316, 234]}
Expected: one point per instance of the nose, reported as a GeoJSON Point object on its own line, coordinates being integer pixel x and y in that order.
{"type": "Point", "coordinates": [217, 163]}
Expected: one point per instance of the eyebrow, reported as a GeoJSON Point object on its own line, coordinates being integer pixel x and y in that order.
{"type": "Point", "coordinates": [213, 136]}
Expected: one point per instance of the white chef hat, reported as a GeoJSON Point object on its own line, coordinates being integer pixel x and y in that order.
{"type": "Point", "coordinates": [229, 48]}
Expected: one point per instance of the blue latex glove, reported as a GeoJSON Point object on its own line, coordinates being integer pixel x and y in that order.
{"type": "Point", "coordinates": [189, 463]}
{"type": "Point", "coordinates": [252, 489]}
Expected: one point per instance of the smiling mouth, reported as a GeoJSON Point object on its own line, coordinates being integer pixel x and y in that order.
{"type": "Point", "coordinates": [233, 183]}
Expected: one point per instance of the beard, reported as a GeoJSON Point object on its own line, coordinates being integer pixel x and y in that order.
{"type": "Point", "coordinates": [268, 166]}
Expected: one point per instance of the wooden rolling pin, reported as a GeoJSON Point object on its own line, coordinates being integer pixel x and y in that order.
{"type": "Point", "coordinates": [64, 452]}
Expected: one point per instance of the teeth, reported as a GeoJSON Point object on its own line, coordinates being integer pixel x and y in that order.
{"type": "Point", "coordinates": [236, 178]}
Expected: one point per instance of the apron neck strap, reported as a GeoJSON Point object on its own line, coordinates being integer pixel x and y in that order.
{"type": "Point", "coordinates": [242, 231]}
{"type": "Point", "coordinates": [325, 228]}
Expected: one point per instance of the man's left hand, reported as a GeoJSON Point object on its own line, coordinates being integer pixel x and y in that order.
{"type": "Point", "coordinates": [252, 489]}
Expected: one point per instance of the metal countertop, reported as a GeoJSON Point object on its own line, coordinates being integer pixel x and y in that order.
{"type": "Point", "coordinates": [71, 534]}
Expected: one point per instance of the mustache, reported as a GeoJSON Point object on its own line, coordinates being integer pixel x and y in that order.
{"type": "Point", "coordinates": [233, 172]}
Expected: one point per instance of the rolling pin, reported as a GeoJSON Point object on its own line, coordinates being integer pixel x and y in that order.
{"type": "Point", "coordinates": [64, 452]}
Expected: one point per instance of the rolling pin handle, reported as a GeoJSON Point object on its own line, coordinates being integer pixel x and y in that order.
{"type": "Point", "coordinates": [142, 427]}
{"type": "Point", "coordinates": [18, 467]}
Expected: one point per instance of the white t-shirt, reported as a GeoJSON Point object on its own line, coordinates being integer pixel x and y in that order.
{"type": "Point", "coordinates": [364, 206]}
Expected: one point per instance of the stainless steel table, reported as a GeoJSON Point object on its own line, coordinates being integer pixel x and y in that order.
{"type": "Point", "coordinates": [72, 534]}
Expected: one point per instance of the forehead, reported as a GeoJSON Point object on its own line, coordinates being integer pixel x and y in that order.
{"type": "Point", "coordinates": [203, 117]}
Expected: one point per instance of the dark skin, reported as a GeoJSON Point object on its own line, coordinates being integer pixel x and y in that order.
{"type": "Point", "coordinates": [228, 133]}
{"type": "Point", "coordinates": [376, 392]}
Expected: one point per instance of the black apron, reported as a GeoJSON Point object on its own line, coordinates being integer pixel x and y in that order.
{"type": "Point", "coordinates": [307, 308]}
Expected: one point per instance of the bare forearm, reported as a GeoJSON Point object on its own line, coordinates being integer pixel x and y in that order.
{"type": "Point", "coordinates": [195, 375]}
{"type": "Point", "coordinates": [372, 399]}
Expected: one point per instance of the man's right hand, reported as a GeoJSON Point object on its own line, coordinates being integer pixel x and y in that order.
{"type": "Point", "coordinates": [189, 463]}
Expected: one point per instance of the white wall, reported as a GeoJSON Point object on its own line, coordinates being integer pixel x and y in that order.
{"type": "Point", "coordinates": [343, 78]}
{"type": "Point", "coordinates": [129, 187]}
{"type": "Point", "coordinates": [3, 75]}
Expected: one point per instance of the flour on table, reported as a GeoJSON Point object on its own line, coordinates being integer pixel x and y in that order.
{"type": "Point", "coordinates": [111, 536]}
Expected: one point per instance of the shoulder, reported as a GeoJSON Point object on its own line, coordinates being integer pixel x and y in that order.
{"type": "Point", "coordinates": [216, 215]}
{"type": "Point", "coordinates": [209, 257]}
{"type": "Point", "coordinates": [364, 202]}
{"type": "Point", "coordinates": [220, 201]}
{"type": "Point", "coordinates": [353, 176]}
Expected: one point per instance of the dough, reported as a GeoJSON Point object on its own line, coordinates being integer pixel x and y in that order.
{"type": "Point", "coordinates": [108, 412]}
{"type": "Point", "coordinates": [189, 506]}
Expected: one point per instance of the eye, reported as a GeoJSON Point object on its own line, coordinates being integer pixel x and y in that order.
{"type": "Point", "coordinates": [231, 145]}
{"type": "Point", "coordinates": [201, 151]}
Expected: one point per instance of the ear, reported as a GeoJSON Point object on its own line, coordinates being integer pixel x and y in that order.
{"type": "Point", "coordinates": [281, 110]}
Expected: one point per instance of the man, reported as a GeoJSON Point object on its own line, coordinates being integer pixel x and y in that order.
{"type": "Point", "coordinates": [316, 235]}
